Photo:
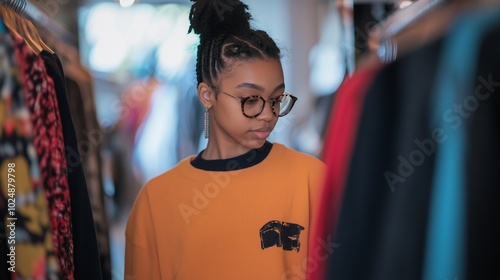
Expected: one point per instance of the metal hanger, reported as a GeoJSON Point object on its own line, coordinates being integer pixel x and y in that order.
{"type": "Point", "coordinates": [18, 6]}
{"type": "Point", "coordinates": [29, 11]}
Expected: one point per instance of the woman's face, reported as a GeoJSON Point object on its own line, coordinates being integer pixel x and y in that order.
{"type": "Point", "coordinates": [250, 78]}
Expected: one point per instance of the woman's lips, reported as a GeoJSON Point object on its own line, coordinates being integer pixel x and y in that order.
{"type": "Point", "coordinates": [262, 133]}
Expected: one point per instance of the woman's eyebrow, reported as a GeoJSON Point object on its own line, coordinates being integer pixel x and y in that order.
{"type": "Point", "coordinates": [251, 86]}
{"type": "Point", "coordinates": [282, 86]}
{"type": "Point", "coordinates": [259, 88]}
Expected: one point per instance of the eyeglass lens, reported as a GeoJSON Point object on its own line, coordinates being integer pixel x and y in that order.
{"type": "Point", "coordinates": [254, 105]}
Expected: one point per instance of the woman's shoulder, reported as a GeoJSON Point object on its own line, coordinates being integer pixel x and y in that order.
{"type": "Point", "coordinates": [172, 175]}
{"type": "Point", "coordinates": [293, 155]}
{"type": "Point", "coordinates": [296, 163]}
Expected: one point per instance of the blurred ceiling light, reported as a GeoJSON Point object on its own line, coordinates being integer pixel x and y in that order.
{"type": "Point", "coordinates": [405, 4]}
{"type": "Point", "coordinates": [126, 3]}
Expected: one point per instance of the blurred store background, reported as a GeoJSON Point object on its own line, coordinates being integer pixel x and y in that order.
{"type": "Point", "coordinates": [133, 86]}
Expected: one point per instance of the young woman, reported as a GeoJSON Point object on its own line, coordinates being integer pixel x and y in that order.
{"type": "Point", "coordinates": [242, 208]}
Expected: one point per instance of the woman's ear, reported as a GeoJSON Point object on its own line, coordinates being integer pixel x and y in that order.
{"type": "Point", "coordinates": [204, 94]}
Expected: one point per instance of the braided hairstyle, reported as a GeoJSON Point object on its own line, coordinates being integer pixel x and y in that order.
{"type": "Point", "coordinates": [226, 37]}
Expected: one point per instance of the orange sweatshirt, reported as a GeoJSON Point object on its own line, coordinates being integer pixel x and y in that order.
{"type": "Point", "coordinates": [243, 218]}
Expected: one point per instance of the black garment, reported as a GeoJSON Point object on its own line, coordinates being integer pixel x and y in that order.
{"type": "Point", "coordinates": [85, 250]}
{"type": "Point", "coordinates": [90, 138]}
{"type": "Point", "coordinates": [383, 221]}
{"type": "Point", "coordinates": [483, 168]}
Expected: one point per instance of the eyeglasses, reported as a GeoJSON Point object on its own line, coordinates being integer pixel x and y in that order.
{"type": "Point", "coordinates": [253, 106]}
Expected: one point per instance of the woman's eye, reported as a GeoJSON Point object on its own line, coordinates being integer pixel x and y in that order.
{"type": "Point", "coordinates": [252, 101]}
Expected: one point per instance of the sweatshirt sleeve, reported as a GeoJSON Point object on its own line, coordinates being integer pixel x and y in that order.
{"type": "Point", "coordinates": [141, 257]}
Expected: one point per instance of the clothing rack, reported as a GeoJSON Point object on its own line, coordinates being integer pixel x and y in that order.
{"type": "Point", "coordinates": [406, 16]}
{"type": "Point", "coordinates": [26, 9]}
{"type": "Point", "coordinates": [399, 20]}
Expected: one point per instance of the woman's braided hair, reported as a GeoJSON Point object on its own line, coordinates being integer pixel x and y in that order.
{"type": "Point", "coordinates": [226, 37]}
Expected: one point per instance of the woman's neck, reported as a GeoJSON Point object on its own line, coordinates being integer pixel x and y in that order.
{"type": "Point", "coordinates": [217, 150]}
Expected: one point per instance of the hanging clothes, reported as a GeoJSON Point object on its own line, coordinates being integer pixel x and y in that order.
{"type": "Point", "coordinates": [421, 196]}
{"type": "Point", "coordinates": [337, 150]}
{"type": "Point", "coordinates": [49, 144]}
{"type": "Point", "coordinates": [72, 245]}
{"type": "Point", "coordinates": [90, 138]}
{"type": "Point", "coordinates": [33, 244]}
{"type": "Point", "coordinates": [446, 250]}
{"type": "Point", "coordinates": [86, 251]}
{"type": "Point", "coordinates": [382, 223]}
{"type": "Point", "coordinates": [482, 165]}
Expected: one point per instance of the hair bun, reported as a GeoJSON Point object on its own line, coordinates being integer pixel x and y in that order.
{"type": "Point", "coordinates": [210, 18]}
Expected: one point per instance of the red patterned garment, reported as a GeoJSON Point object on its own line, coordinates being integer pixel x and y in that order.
{"type": "Point", "coordinates": [41, 101]}
{"type": "Point", "coordinates": [33, 247]}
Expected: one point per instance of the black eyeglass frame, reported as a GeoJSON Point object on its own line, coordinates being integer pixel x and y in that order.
{"type": "Point", "coordinates": [273, 102]}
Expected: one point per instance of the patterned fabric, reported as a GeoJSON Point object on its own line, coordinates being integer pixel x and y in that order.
{"type": "Point", "coordinates": [49, 143]}
{"type": "Point", "coordinates": [34, 250]}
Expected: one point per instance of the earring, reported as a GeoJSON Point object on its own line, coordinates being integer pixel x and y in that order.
{"type": "Point", "coordinates": [207, 124]}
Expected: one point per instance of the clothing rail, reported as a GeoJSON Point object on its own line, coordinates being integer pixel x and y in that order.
{"type": "Point", "coordinates": [404, 17]}
{"type": "Point", "coordinates": [382, 32]}
{"type": "Point", "coordinates": [28, 10]}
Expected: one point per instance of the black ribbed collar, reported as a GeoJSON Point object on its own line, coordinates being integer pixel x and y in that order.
{"type": "Point", "coordinates": [246, 160]}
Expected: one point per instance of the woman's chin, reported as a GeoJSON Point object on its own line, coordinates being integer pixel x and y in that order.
{"type": "Point", "coordinates": [256, 143]}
